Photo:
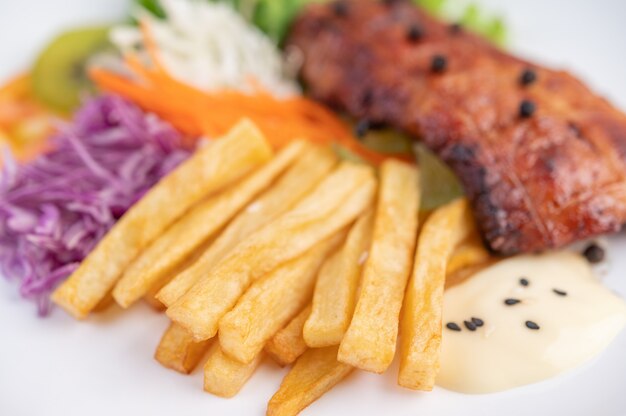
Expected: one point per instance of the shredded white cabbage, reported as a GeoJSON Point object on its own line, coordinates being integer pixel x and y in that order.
{"type": "Point", "coordinates": [210, 46]}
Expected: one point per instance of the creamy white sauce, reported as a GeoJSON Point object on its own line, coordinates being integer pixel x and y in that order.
{"type": "Point", "coordinates": [504, 353]}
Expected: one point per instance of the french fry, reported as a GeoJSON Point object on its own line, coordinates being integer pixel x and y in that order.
{"type": "Point", "coordinates": [420, 344]}
{"type": "Point", "coordinates": [209, 170]}
{"type": "Point", "coordinates": [224, 376]}
{"type": "Point", "coordinates": [290, 188]}
{"type": "Point", "coordinates": [288, 344]}
{"type": "Point", "coordinates": [153, 302]}
{"type": "Point", "coordinates": [271, 302]}
{"type": "Point", "coordinates": [150, 296]}
{"type": "Point", "coordinates": [370, 342]}
{"type": "Point", "coordinates": [336, 288]}
{"type": "Point", "coordinates": [469, 253]}
{"type": "Point", "coordinates": [316, 372]}
{"type": "Point", "coordinates": [334, 204]}
{"type": "Point", "coordinates": [178, 243]}
{"type": "Point", "coordinates": [178, 351]}
{"type": "Point", "coordinates": [460, 276]}
{"type": "Point", "coordinates": [104, 303]}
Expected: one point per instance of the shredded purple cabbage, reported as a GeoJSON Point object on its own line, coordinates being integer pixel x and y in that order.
{"type": "Point", "coordinates": [55, 209]}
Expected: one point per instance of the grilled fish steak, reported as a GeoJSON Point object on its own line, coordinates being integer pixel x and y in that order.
{"type": "Point", "coordinates": [541, 157]}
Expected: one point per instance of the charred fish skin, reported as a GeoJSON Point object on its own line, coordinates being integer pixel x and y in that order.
{"type": "Point", "coordinates": [541, 157]}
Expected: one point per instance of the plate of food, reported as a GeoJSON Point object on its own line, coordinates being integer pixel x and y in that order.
{"type": "Point", "coordinates": [312, 207]}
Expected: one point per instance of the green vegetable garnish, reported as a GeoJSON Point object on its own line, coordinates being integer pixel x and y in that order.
{"type": "Point", "coordinates": [491, 28]}
{"type": "Point", "coordinates": [433, 6]}
{"type": "Point", "coordinates": [473, 17]}
{"type": "Point", "coordinates": [275, 16]}
{"type": "Point", "coordinates": [439, 183]}
{"type": "Point", "coordinates": [152, 6]}
{"type": "Point", "coordinates": [388, 141]}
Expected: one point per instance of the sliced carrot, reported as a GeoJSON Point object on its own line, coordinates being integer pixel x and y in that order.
{"type": "Point", "coordinates": [198, 113]}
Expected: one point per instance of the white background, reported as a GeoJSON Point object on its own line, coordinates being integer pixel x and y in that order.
{"type": "Point", "coordinates": [104, 365]}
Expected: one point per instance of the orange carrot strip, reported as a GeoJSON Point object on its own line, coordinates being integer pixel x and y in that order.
{"type": "Point", "coordinates": [196, 112]}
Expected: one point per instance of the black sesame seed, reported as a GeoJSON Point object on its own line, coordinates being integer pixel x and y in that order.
{"type": "Point", "coordinates": [478, 322]}
{"type": "Point", "coordinates": [523, 281]}
{"type": "Point", "coordinates": [511, 301]}
{"type": "Point", "coordinates": [439, 64]}
{"type": "Point", "coordinates": [470, 325]}
{"type": "Point", "coordinates": [594, 253]}
{"type": "Point", "coordinates": [361, 128]}
{"type": "Point", "coordinates": [532, 325]}
{"type": "Point", "coordinates": [414, 33]}
{"type": "Point", "coordinates": [340, 8]}
{"type": "Point", "coordinates": [527, 108]}
{"type": "Point", "coordinates": [455, 28]}
{"type": "Point", "coordinates": [528, 77]}
{"type": "Point", "coordinates": [452, 326]}
{"type": "Point", "coordinates": [560, 292]}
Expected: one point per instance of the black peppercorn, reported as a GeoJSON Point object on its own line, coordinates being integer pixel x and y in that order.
{"type": "Point", "coordinates": [439, 64]}
{"type": "Point", "coordinates": [594, 253]}
{"type": "Point", "coordinates": [414, 33]}
{"type": "Point", "coordinates": [527, 77]}
{"type": "Point", "coordinates": [527, 109]}
{"type": "Point", "coordinates": [340, 8]}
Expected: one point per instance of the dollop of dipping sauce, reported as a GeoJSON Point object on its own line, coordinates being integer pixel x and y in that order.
{"type": "Point", "coordinates": [535, 316]}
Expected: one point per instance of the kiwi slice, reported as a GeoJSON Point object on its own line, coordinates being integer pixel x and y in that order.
{"type": "Point", "coordinates": [60, 73]}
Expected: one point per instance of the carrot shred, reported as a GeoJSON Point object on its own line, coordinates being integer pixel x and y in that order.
{"type": "Point", "coordinates": [198, 113]}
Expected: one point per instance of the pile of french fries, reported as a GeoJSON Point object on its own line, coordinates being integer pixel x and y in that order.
{"type": "Point", "coordinates": [296, 255]}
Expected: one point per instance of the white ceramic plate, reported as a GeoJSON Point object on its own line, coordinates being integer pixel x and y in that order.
{"type": "Point", "coordinates": [104, 366]}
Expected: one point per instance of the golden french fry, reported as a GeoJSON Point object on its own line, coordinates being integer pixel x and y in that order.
{"type": "Point", "coordinates": [336, 288]}
{"type": "Point", "coordinates": [334, 204]}
{"type": "Point", "coordinates": [224, 376]}
{"type": "Point", "coordinates": [290, 188]}
{"type": "Point", "coordinates": [177, 350]}
{"type": "Point", "coordinates": [271, 302]}
{"type": "Point", "coordinates": [104, 303]}
{"type": "Point", "coordinates": [151, 299]}
{"type": "Point", "coordinates": [316, 372]}
{"type": "Point", "coordinates": [150, 296]}
{"type": "Point", "coordinates": [469, 253]}
{"type": "Point", "coordinates": [288, 344]}
{"type": "Point", "coordinates": [420, 343]}
{"type": "Point", "coordinates": [209, 170]}
{"type": "Point", "coordinates": [153, 302]}
{"type": "Point", "coordinates": [370, 342]}
{"type": "Point", "coordinates": [458, 277]}
{"type": "Point", "coordinates": [178, 243]}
